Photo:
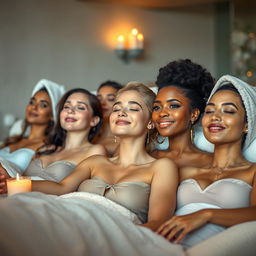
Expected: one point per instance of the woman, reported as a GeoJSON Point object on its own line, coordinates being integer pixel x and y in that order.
{"type": "Point", "coordinates": [106, 94]}
{"type": "Point", "coordinates": [40, 117]}
{"type": "Point", "coordinates": [79, 120]}
{"type": "Point", "coordinates": [223, 194]}
{"type": "Point", "coordinates": [184, 87]}
{"type": "Point", "coordinates": [96, 231]}
{"type": "Point", "coordinates": [137, 179]}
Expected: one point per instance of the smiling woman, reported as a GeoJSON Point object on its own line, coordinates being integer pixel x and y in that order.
{"type": "Point", "coordinates": [208, 197]}
{"type": "Point", "coordinates": [133, 169]}
{"type": "Point", "coordinates": [79, 119]}
{"type": "Point", "coordinates": [40, 117]}
{"type": "Point", "coordinates": [184, 87]}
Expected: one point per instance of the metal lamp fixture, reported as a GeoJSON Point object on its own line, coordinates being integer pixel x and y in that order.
{"type": "Point", "coordinates": [131, 47]}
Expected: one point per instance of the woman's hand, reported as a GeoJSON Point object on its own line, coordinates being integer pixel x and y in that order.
{"type": "Point", "coordinates": [3, 176]}
{"type": "Point", "coordinates": [179, 226]}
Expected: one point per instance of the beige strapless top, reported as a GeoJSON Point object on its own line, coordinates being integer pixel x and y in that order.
{"type": "Point", "coordinates": [132, 195]}
{"type": "Point", "coordinates": [55, 171]}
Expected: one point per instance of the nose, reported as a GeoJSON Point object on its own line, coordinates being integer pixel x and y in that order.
{"type": "Point", "coordinates": [163, 113]}
{"type": "Point", "coordinates": [103, 101]}
{"type": "Point", "coordinates": [122, 112]}
{"type": "Point", "coordinates": [35, 106]}
{"type": "Point", "coordinates": [216, 116]}
{"type": "Point", "coordinates": [71, 109]}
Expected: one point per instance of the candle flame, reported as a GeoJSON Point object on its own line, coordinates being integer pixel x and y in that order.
{"type": "Point", "coordinates": [17, 177]}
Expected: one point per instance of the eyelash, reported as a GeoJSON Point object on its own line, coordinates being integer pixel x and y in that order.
{"type": "Point", "coordinates": [172, 106]}
{"type": "Point", "coordinates": [131, 109]}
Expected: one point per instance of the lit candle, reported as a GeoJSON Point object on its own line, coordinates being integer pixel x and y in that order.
{"type": "Point", "coordinates": [133, 41]}
{"type": "Point", "coordinates": [140, 41]}
{"type": "Point", "coordinates": [18, 185]}
{"type": "Point", "coordinates": [120, 43]}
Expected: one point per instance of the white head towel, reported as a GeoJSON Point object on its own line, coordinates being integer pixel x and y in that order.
{"type": "Point", "coordinates": [55, 92]}
{"type": "Point", "coordinates": [248, 95]}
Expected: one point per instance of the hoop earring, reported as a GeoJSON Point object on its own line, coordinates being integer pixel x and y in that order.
{"type": "Point", "coordinates": [192, 135]}
{"type": "Point", "coordinates": [148, 139]}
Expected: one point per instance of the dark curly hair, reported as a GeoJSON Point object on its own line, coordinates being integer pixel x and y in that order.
{"type": "Point", "coordinates": [110, 83]}
{"type": "Point", "coordinates": [194, 80]}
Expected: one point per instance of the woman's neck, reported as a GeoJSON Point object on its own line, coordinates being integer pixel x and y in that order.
{"type": "Point", "coordinates": [37, 132]}
{"type": "Point", "coordinates": [181, 143]}
{"type": "Point", "coordinates": [76, 140]}
{"type": "Point", "coordinates": [105, 130]}
{"type": "Point", "coordinates": [132, 152]}
{"type": "Point", "coordinates": [228, 156]}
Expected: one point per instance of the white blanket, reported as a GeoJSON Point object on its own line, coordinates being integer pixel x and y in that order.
{"type": "Point", "coordinates": [75, 224]}
{"type": "Point", "coordinates": [35, 224]}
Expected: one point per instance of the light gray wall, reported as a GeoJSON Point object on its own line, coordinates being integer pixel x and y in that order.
{"type": "Point", "coordinates": [68, 41]}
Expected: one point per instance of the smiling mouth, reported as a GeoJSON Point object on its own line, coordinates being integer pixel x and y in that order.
{"type": "Point", "coordinates": [215, 128]}
{"type": "Point", "coordinates": [122, 122]}
{"type": "Point", "coordinates": [164, 124]}
{"type": "Point", "coordinates": [33, 114]}
{"type": "Point", "coordinates": [70, 119]}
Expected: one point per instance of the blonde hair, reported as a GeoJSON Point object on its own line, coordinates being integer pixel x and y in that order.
{"type": "Point", "coordinates": [148, 97]}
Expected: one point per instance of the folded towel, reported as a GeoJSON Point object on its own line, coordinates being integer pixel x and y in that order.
{"type": "Point", "coordinates": [55, 92]}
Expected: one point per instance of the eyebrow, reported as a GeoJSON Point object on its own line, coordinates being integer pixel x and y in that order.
{"type": "Point", "coordinates": [44, 101]}
{"type": "Point", "coordinates": [170, 100]}
{"type": "Point", "coordinates": [79, 102]}
{"type": "Point", "coordinates": [129, 102]}
{"type": "Point", "coordinates": [109, 94]}
{"type": "Point", "coordinates": [224, 104]}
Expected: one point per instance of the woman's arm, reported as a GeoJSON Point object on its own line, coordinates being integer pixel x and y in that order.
{"type": "Point", "coordinates": [70, 183]}
{"type": "Point", "coordinates": [179, 226]}
{"type": "Point", "coordinates": [162, 201]}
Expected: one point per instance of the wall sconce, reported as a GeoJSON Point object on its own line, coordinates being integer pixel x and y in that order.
{"type": "Point", "coordinates": [130, 47]}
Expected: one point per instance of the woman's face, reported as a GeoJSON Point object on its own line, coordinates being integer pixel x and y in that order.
{"type": "Point", "coordinates": [77, 114]}
{"type": "Point", "coordinates": [171, 112]}
{"type": "Point", "coordinates": [224, 118]}
{"type": "Point", "coordinates": [106, 96]}
{"type": "Point", "coordinates": [130, 115]}
{"type": "Point", "coordinates": [39, 109]}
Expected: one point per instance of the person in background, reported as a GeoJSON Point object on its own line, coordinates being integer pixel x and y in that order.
{"type": "Point", "coordinates": [106, 94]}
{"type": "Point", "coordinates": [79, 120]}
{"type": "Point", "coordinates": [184, 88]}
{"type": "Point", "coordinates": [17, 151]}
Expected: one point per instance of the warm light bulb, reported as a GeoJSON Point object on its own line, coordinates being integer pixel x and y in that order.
{"type": "Point", "coordinates": [140, 37]}
{"type": "Point", "coordinates": [134, 31]}
{"type": "Point", "coordinates": [120, 44]}
{"type": "Point", "coordinates": [140, 41]}
{"type": "Point", "coordinates": [120, 38]}
{"type": "Point", "coordinates": [249, 73]}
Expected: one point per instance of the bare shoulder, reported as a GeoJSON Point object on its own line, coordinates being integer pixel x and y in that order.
{"type": "Point", "coordinates": [93, 160]}
{"type": "Point", "coordinates": [188, 172]}
{"type": "Point", "coordinates": [159, 153]}
{"type": "Point", "coordinates": [165, 165]}
{"type": "Point", "coordinates": [97, 149]}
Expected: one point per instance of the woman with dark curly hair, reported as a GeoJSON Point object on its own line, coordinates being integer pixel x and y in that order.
{"type": "Point", "coordinates": [184, 88]}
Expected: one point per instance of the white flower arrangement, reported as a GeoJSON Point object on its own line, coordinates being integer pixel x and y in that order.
{"type": "Point", "coordinates": [244, 53]}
